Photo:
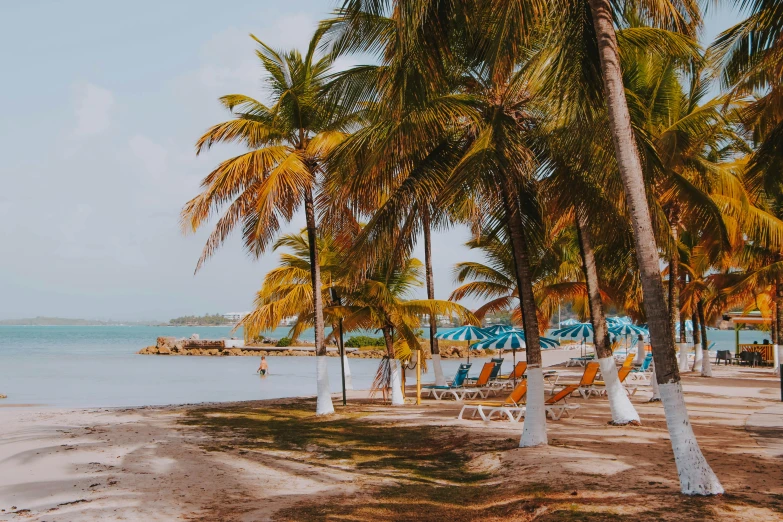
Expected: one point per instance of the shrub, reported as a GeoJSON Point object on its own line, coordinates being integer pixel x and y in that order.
{"type": "Point", "coordinates": [358, 341]}
{"type": "Point", "coordinates": [285, 341]}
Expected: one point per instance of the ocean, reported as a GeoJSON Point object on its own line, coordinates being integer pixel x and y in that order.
{"type": "Point", "coordinates": [97, 366]}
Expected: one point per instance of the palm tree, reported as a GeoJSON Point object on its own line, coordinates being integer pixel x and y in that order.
{"type": "Point", "coordinates": [382, 301]}
{"type": "Point", "coordinates": [263, 188]}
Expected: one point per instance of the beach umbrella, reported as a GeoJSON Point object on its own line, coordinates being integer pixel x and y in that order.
{"type": "Point", "coordinates": [576, 331]}
{"type": "Point", "coordinates": [465, 333]}
{"type": "Point", "coordinates": [688, 326]}
{"type": "Point", "coordinates": [627, 329]}
{"type": "Point", "coordinates": [499, 329]}
{"type": "Point", "coordinates": [568, 322]}
{"type": "Point", "coordinates": [617, 320]}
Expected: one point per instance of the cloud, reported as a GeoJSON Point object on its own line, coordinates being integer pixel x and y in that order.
{"type": "Point", "coordinates": [152, 156]}
{"type": "Point", "coordinates": [93, 108]}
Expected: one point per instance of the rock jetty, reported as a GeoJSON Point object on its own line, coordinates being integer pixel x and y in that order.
{"type": "Point", "coordinates": [222, 347]}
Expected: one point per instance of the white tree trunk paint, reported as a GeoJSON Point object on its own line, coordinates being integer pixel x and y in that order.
{"type": "Point", "coordinates": [706, 366]}
{"type": "Point", "coordinates": [656, 396]}
{"type": "Point", "coordinates": [348, 381]}
{"type": "Point", "coordinates": [776, 358]}
{"type": "Point", "coordinates": [683, 347]}
{"type": "Point", "coordinates": [640, 353]}
{"type": "Point", "coordinates": [534, 430]}
{"type": "Point", "coordinates": [697, 360]}
{"type": "Point", "coordinates": [623, 411]}
{"type": "Point", "coordinates": [323, 405]}
{"type": "Point", "coordinates": [696, 476]}
{"type": "Point", "coordinates": [440, 379]}
{"type": "Point", "coordinates": [396, 383]}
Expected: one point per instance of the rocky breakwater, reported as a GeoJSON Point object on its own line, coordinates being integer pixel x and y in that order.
{"type": "Point", "coordinates": [174, 346]}
{"type": "Point", "coordinates": [231, 347]}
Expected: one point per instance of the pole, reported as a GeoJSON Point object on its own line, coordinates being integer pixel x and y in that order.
{"type": "Point", "coordinates": [418, 378]}
{"type": "Point", "coordinates": [736, 338]}
{"type": "Point", "coordinates": [342, 359]}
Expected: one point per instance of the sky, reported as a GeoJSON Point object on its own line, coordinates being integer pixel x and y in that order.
{"type": "Point", "coordinates": [101, 105]}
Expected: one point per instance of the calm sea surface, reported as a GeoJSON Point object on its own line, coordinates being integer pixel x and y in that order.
{"type": "Point", "coordinates": [93, 366]}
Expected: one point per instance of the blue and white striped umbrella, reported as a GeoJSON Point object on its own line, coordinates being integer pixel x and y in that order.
{"type": "Point", "coordinates": [499, 329]}
{"type": "Point", "coordinates": [568, 322]}
{"type": "Point", "coordinates": [688, 326]}
{"type": "Point", "coordinates": [627, 329]}
{"type": "Point", "coordinates": [617, 320]}
{"type": "Point", "coordinates": [465, 333]}
{"type": "Point", "coordinates": [576, 331]}
{"type": "Point", "coordinates": [504, 341]}
{"type": "Point", "coordinates": [513, 341]}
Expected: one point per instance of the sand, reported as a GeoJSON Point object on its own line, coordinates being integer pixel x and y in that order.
{"type": "Point", "coordinates": [144, 464]}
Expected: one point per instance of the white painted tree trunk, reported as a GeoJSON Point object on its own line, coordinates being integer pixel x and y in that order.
{"type": "Point", "coordinates": [683, 347]}
{"type": "Point", "coordinates": [348, 380]}
{"type": "Point", "coordinates": [697, 360]}
{"type": "Point", "coordinates": [534, 430]}
{"type": "Point", "coordinates": [776, 359]}
{"type": "Point", "coordinates": [696, 476]}
{"type": "Point", "coordinates": [396, 383]}
{"type": "Point", "coordinates": [440, 379]}
{"type": "Point", "coordinates": [656, 396]}
{"type": "Point", "coordinates": [620, 405]}
{"type": "Point", "coordinates": [706, 366]}
{"type": "Point", "coordinates": [640, 352]}
{"type": "Point", "coordinates": [323, 405]}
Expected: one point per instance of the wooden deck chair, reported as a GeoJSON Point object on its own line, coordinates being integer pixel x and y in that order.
{"type": "Point", "coordinates": [509, 407]}
{"type": "Point", "coordinates": [557, 405]}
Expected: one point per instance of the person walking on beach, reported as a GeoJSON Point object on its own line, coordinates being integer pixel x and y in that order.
{"type": "Point", "coordinates": [263, 368]}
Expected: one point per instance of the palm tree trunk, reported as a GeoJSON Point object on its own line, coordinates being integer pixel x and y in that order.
{"type": "Point", "coordinates": [696, 339]}
{"type": "Point", "coordinates": [620, 405]}
{"type": "Point", "coordinates": [778, 323]}
{"type": "Point", "coordinates": [324, 404]}
{"type": "Point", "coordinates": [706, 366]}
{"type": "Point", "coordinates": [440, 379]}
{"type": "Point", "coordinates": [534, 430]}
{"type": "Point", "coordinates": [696, 476]}
{"type": "Point", "coordinates": [397, 398]}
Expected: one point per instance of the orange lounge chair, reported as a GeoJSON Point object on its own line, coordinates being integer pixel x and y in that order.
{"type": "Point", "coordinates": [468, 391]}
{"type": "Point", "coordinates": [599, 387]}
{"type": "Point", "coordinates": [588, 378]}
{"type": "Point", "coordinates": [557, 405]}
{"type": "Point", "coordinates": [510, 407]}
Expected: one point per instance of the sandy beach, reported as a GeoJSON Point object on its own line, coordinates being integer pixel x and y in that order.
{"type": "Point", "coordinates": [273, 460]}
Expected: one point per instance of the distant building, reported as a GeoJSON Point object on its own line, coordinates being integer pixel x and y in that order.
{"type": "Point", "coordinates": [234, 316]}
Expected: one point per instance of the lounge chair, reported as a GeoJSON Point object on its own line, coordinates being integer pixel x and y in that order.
{"type": "Point", "coordinates": [628, 362]}
{"type": "Point", "coordinates": [497, 363]}
{"type": "Point", "coordinates": [517, 373]}
{"type": "Point", "coordinates": [586, 383]}
{"type": "Point", "coordinates": [510, 407]}
{"type": "Point", "coordinates": [642, 374]}
{"type": "Point", "coordinates": [580, 361]}
{"type": "Point", "coordinates": [557, 405]}
{"type": "Point", "coordinates": [457, 383]}
{"type": "Point", "coordinates": [466, 391]}
{"type": "Point", "coordinates": [599, 387]}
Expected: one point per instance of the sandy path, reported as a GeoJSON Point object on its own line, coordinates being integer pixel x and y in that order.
{"type": "Point", "coordinates": [91, 465]}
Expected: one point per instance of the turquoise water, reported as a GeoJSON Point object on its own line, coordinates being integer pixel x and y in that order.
{"type": "Point", "coordinates": [96, 366]}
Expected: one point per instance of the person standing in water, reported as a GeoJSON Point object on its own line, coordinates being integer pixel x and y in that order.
{"type": "Point", "coordinates": [263, 368]}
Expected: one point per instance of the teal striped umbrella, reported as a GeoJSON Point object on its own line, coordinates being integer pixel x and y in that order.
{"type": "Point", "coordinates": [568, 322]}
{"type": "Point", "coordinates": [499, 329]}
{"type": "Point", "coordinates": [627, 329]}
{"type": "Point", "coordinates": [575, 331]}
{"type": "Point", "coordinates": [465, 333]}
